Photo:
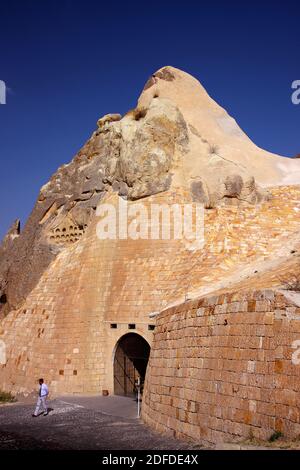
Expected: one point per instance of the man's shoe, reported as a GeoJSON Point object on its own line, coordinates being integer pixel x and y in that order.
{"type": "Point", "coordinates": [46, 414]}
{"type": "Point", "coordinates": [34, 416]}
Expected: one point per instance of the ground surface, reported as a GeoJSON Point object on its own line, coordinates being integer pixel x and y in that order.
{"type": "Point", "coordinates": [90, 423]}
{"type": "Point", "coordinates": [93, 423]}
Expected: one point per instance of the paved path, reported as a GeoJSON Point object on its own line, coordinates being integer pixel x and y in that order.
{"type": "Point", "coordinates": [112, 405]}
{"type": "Point", "coordinates": [81, 423]}
{"type": "Point", "coordinates": [89, 423]}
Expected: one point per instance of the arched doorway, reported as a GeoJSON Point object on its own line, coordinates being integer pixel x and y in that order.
{"type": "Point", "coordinates": [130, 363]}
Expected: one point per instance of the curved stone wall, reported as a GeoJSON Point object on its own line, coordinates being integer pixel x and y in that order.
{"type": "Point", "coordinates": [226, 368]}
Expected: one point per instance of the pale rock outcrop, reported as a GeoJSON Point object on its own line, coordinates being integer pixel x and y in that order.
{"type": "Point", "coordinates": [104, 122]}
{"type": "Point", "coordinates": [177, 137]}
{"type": "Point", "coordinates": [216, 140]}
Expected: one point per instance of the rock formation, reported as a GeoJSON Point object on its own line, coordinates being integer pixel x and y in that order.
{"type": "Point", "coordinates": [62, 289]}
{"type": "Point", "coordinates": [176, 137]}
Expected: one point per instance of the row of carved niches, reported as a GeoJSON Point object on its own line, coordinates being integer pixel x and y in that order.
{"type": "Point", "coordinates": [67, 234]}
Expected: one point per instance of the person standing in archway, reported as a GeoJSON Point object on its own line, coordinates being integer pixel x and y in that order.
{"type": "Point", "coordinates": [43, 393]}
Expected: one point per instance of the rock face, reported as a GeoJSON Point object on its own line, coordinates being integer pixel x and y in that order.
{"type": "Point", "coordinates": [176, 137]}
{"type": "Point", "coordinates": [67, 297]}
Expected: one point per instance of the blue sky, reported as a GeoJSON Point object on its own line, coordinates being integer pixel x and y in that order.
{"type": "Point", "coordinates": [68, 62]}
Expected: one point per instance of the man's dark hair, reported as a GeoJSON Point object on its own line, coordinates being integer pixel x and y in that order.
{"type": "Point", "coordinates": [41, 381]}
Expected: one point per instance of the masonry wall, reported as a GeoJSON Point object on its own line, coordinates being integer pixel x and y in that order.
{"type": "Point", "coordinates": [221, 369]}
{"type": "Point", "coordinates": [62, 331]}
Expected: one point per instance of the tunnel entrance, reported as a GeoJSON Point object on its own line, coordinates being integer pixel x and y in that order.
{"type": "Point", "coordinates": [130, 363]}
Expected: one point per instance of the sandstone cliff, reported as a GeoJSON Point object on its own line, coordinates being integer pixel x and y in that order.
{"type": "Point", "coordinates": [176, 137]}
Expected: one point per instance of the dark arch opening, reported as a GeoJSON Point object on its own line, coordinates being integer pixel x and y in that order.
{"type": "Point", "coordinates": [130, 363]}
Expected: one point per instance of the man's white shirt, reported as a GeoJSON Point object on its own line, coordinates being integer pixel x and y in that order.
{"type": "Point", "coordinates": [44, 390]}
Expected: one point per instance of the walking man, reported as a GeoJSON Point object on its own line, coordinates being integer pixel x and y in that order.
{"type": "Point", "coordinates": [43, 393]}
